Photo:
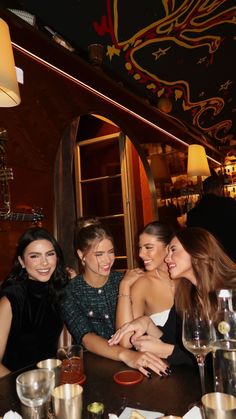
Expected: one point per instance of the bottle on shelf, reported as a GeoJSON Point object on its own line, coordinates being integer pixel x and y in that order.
{"type": "Point", "coordinates": [229, 174]}
{"type": "Point", "coordinates": [233, 173]}
{"type": "Point", "coordinates": [224, 345]}
{"type": "Point", "coordinates": [226, 177]}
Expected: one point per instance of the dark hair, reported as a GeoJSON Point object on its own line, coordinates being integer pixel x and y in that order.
{"type": "Point", "coordinates": [212, 268]}
{"type": "Point", "coordinates": [162, 231]}
{"type": "Point", "coordinates": [88, 231]}
{"type": "Point", "coordinates": [59, 277]}
{"type": "Point", "coordinates": [212, 184]}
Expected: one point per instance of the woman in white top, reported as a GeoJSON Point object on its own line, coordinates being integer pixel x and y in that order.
{"type": "Point", "coordinates": [152, 294]}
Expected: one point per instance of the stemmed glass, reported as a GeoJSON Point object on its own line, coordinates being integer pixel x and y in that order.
{"type": "Point", "coordinates": [197, 338]}
{"type": "Point", "coordinates": [34, 388]}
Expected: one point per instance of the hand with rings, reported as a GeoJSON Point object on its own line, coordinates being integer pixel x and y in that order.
{"type": "Point", "coordinates": [144, 360]}
{"type": "Point", "coordinates": [144, 364]}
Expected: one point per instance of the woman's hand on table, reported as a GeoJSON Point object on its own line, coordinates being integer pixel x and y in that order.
{"type": "Point", "coordinates": [145, 362]}
{"type": "Point", "coordinates": [153, 345]}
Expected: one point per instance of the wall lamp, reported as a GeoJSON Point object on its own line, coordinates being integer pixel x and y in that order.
{"type": "Point", "coordinates": [197, 163]}
{"type": "Point", "coordinates": [9, 89]}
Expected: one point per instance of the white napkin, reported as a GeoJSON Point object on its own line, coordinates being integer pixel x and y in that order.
{"type": "Point", "coordinates": [194, 413]}
{"type": "Point", "coordinates": [146, 413]}
{"type": "Point", "coordinates": [12, 415]}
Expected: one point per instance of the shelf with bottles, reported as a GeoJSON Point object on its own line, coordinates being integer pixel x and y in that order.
{"type": "Point", "coordinates": [183, 203]}
{"type": "Point", "coordinates": [182, 192]}
{"type": "Point", "coordinates": [228, 172]}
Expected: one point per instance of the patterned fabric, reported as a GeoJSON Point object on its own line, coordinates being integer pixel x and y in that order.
{"type": "Point", "coordinates": [87, 309]}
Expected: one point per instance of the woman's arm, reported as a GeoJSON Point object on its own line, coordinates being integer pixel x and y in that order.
{"type": "Point", "coordinates": [124, 308]}
{"type": "Point", "coordinates": [137, 360]}
{"type": "Point", "coordinates": [136, 328]}
{"type": "Point", "coordinates": [153, 345]}
{"type": "Point", "coordinates": [5, 325]}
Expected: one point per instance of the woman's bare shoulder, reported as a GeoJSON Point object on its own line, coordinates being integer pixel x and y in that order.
{"type": "Point", "coordinates": [143, 280]}
{"type": "Point", "coordinates": [5, 304]}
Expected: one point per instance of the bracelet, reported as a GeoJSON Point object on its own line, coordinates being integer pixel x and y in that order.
{"type": "Point", "coordinates": [124, 295]}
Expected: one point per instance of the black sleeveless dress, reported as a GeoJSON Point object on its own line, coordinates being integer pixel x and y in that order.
{"type": "Point", "coordinates": [36, 324]}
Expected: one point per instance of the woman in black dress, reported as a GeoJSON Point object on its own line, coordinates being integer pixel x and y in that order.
{"type": "Point", "coordinates": [30, 320]}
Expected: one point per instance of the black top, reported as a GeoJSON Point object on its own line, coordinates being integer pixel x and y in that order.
{"type": "Point", "coordinates": [217, 214]}
{"type": "Point", "coordinates": [172, 334]}
{"type": "Point", "coordinates": [36, 324]}
{"type": "Point", "coordinates": [91, 310]}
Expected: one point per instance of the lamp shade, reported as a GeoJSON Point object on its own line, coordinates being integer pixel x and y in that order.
{"type": "Point", "coordinates": [9, 89]}
{"type": "Point", "coordinates": [197, 161]}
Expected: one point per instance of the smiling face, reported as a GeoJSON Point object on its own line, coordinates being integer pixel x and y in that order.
{"type": "Point", "coordinates": [179, 262]}
{"type": "Point", "coordinates": [39, 260]}
{"type": "Point", "coordinates": [152, 252]}
{"type": "Point", "coordinates": [99, 258]}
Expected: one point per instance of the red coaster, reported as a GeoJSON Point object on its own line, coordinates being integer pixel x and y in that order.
{"type": "Point", "coordinates": [82, 379]}
{"type": "Point", "coordinates": [128, 377]}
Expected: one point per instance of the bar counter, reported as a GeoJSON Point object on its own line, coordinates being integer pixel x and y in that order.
{"type": "Point", "coordinates": [170, 395]}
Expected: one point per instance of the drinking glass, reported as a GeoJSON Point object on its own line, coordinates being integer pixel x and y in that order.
{"type": "Point", "coordinates": [34, 388]}
{"type": "Point", "coordinates": [72, 367]}
{"type": "Point", "coordinates": [197, 338]}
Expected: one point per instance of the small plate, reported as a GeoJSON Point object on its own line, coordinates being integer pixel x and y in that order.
{"type": "Point", "coordinates": [128, 377]}
{"type": "Point", "coordinates": [148, 414]}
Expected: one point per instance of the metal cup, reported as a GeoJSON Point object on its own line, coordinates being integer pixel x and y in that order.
{"type": "Point", "coordinates": [67, 401]}
{"type": "Point", "coordinates": [52, 365]}
{"type": "Point", "coordinates": [171, 417]}
{"type": "Point", "coordinates": [219, 406]}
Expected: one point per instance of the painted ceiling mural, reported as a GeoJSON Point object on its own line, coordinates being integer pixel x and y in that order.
{"type": "Point", "coordinates": [177, 54]}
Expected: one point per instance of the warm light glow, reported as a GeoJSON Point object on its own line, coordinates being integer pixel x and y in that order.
{"type": "Point", "coordinates": [164, 105]}
{"type": "Point", "coordinates": [9, 89]}
{"type": "Point", "coordinates": [197, 161]}
{"type": "Point", "coordinates": [160, 169]}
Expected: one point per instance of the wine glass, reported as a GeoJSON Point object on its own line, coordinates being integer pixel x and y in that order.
{"type": "Point", "coordinates": [197, 336]}
{"type": "Point", "coordinates": [34, 388]}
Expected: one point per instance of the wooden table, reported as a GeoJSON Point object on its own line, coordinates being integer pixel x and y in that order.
{"type": "Point", "coordinates": [170, 395]}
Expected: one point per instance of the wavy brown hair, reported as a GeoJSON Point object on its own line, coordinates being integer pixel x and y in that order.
{"type": "Point", "coordinates": [212, 268]}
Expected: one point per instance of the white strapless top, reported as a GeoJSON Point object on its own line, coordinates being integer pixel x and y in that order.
{"type": "Point", "coordinates": [160, 318]}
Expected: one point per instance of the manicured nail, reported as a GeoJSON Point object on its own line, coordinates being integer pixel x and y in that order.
{"type": "Point", "coordinates": [168, 371]}
{"type": "Point", "coordinates": [149, 375]}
